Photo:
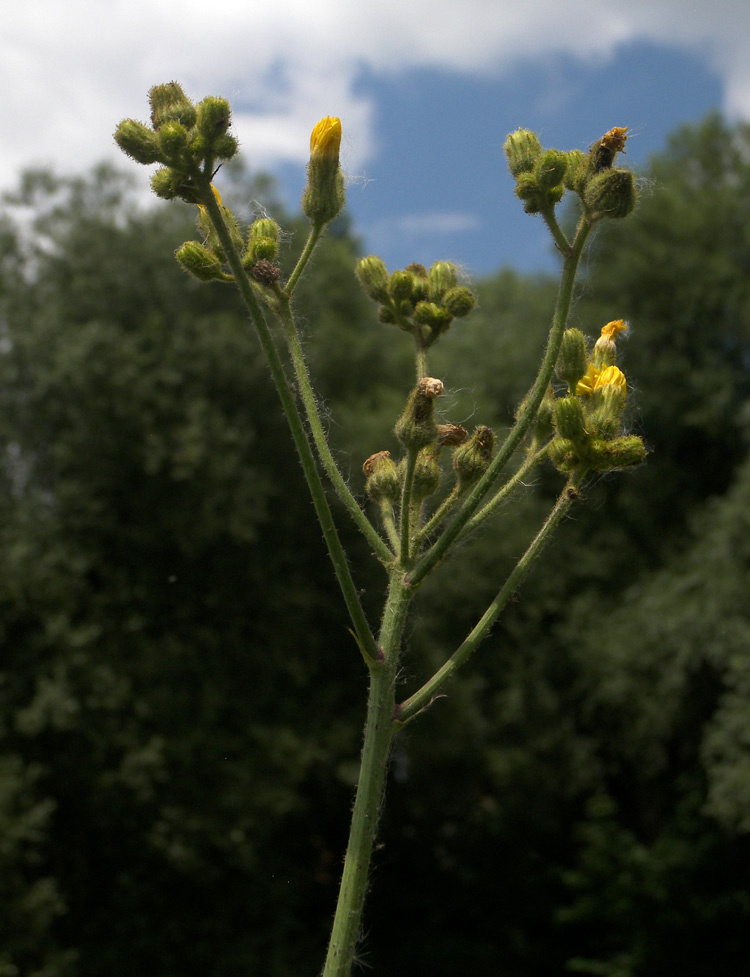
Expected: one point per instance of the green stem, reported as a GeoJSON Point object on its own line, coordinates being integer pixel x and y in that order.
{"type": "Point", "coordinates": [379, 730]}
{"type": "Point", "coordinates": [533, 458]}
{"type": "Point", "coordinates": [312, 239]}
{"type": "Point", "coordinates": [445, 508]}
{"type": "Point", "coordinates": [421, 699]}
{"type": "Point", "coordinates": [526, 414]}
{"type": "Point", "coordinates": [322, 509]}
{"type": "Point", "coordinates": [406, 505]}
{"type": "Point", "coordinates": [321, 442]}
{"type": "Point", "coordinates": [421, 362]}
{"type": "Point", "coordinates": [563, 245]}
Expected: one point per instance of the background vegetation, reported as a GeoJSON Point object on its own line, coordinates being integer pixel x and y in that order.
{"type": "Point", "coordinates": [181, 702]}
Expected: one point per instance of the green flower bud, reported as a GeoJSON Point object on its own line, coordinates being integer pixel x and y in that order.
{"type": "Point", "coordinates": [459, 301]}
{"type": "Point", "coordinates": [610, 193]}
{"type": "Point", "coordinates": [401, 286]}
{"type": "Point", "coordinates": [562, 454]}
{"type": "Point", "coordinates": [383, 483]}
{"type": "Point", "coordinates": [522, 149]}
{"type": "Point", "coordinates": [621, 452]}
{"type": "Point", "coordinates": [138, 141]}
{"type": "Point", "coordinates": [432, 319]}
{"type": "Point", "coordinates": [442, 277]}
{"type": "Point", "coordinates": [575, 174]}
{"type": "Point", "coordinates": [572, 361]}
{"type": "Point", "coordinates": [551, 168]}
{"type": "Point", "coordinates": [173, 141]}
{"type": "Point", "coordinates": [472, 459]}
{"type": "Point", "coordinates": [166, 183]}
{"type": "Point", "coordinates": [528, 190]}
{"type": "Point", "coordinates": [569, 420]}
{"type": "Point", "coordinates": [417, 428]}
{"type": "Point", "coordinates": [262, 242]}
{"type": "Point", "coordinates": [426, 474]}
{"type": "Point", "coordinates": [373, 277]}
{"type": "Point", "coordinates": [225, 147]}
{"type": "Point", "coordinates": [169, 102]}
{"type": "Point", "coordinates": [214, 117]}
{"type": "Point", "coordinates": [201, 263]}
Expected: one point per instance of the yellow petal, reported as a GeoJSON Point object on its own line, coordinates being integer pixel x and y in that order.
{"type": "Point", "coordinates": [326, 137]}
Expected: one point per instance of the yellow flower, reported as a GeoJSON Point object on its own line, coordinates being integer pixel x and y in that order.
{"type": "Point", "coordinates": [611, 376]}
{"type": "Point", "coordinates": [613, 329]}
{"type": "Point", "coordinates": [587, 383]}
{"type": "Point", "coordinates": [326, 138]}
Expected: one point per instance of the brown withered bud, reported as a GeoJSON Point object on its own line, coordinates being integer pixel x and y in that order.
{"type": "Point", "coordinates": [265, 272]}
{"type": "Point", "coordinates": [602, 154]}
{"type": "Point", "coordinates": [451, 435]}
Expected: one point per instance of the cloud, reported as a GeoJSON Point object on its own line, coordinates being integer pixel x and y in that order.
{"type": "Point", "coordinates": [70, 71]}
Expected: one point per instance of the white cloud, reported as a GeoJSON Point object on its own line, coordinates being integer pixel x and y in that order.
{"type": "Point", "coordinates": [69, 71]}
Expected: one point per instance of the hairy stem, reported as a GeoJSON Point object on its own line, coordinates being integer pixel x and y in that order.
{"type": "Point", "coordinates": [424, 696]}
{"type": "Point", "coordinates": [322, 509]}
{"type": "Point", "coordinates": [321, 442]}
{"type": "Point", "coordinates": [379, 730]}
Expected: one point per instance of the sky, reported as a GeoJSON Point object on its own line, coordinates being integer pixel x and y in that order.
{"type": "Point", "coordinates": [426, 91]}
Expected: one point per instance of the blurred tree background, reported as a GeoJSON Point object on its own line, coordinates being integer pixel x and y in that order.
{"type": "Point", "coordinates": [181, 701]}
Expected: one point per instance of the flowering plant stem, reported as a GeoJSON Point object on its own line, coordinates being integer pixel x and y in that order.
{"type": "Point", "coordinates": [189, 141]}
{"type": "Point", "coordinates": [384, 717]}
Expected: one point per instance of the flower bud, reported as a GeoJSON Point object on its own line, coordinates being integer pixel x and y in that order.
{"type": "Point", "coordinates": [563, 455]}
{"type": "Point", "coordinates": [459, 301]}
{"type": "Point", "coordinates": [200, 262]}
{"type": "Point", "coordinates": [324, 194]}
{"type": "Point", "coordinates": [575, 174]}
{"type": "Point", "coordinates": [610, 394]}
{"type": "Point", "coordinates": [551, 168]}
{"type": "Point", "coordinates": [401, 286]}
{"type": "Point", "coordinates": [373, 277]}
{"type": "Point", "coordinates": [451, 435]}
{"type": "Point", "coordinates": [169, 102]}
{"type": "Point", "coordinates": [569, 420]}
{"type": "Point", "coordinates": [442, 277]}
{"type": "Point", "coordinates": [522, 149]}
{"type": "Point", "coordinates": [426, 475]}
{"type": "Point", "coordinates": [572, 359]}
{"type": "Point", "coordinates": [262, 242]}
{"type": "Point", "coordinates": [166, 183]}
{"type": "Point", "coordinates": [383, 483]}
{"type": "Point", "coordinates": [472, 459]}
{"type": "Point", "coordinates": [417, 428]}
{"type": "Point", "coordinates": [621, 452]}
{"type": "Point", "coordinates": [602, 153]}
{"type": "Point", "coordinates": [214, 117]}
{"type": "Point", "coordinates": [610, 193]}
{"type": "Point", "coordinates": [138, 141]}
{"type": "Point", "coordinates": [173, 140]}
{"type": "Point", "coordinates": [605, 348]}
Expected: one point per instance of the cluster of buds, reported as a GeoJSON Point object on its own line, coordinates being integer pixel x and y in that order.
{"type": "Point", "coordinates": [258, 245]}
{"type": "Point", "coordinates": [588, 420]}
{"type": "Point", "coordinates": [189, 140]}
{"type": "Point", "coordinates": [423, 303]}
{"type": "Point", "coordinates": [542, 176]}
{"type": "Point", "coordinates": [417, 429]}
